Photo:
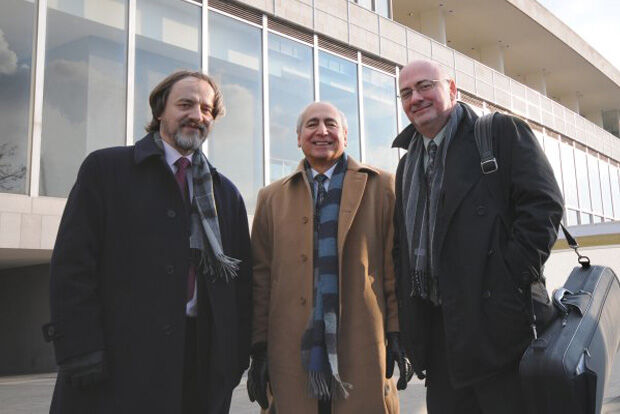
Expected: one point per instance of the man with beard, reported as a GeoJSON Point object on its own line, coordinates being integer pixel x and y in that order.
{"type": "Point", "coordinates": [151, 272]}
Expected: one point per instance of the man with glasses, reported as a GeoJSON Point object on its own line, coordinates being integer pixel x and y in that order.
{"type": "Point", "coordinates": [469, 246]}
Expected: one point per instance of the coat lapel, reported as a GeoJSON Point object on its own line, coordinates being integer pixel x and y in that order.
{"type": "Point", "coordinates": [461, 173]}
{"type": "Point", "coordinates": [353, 188]}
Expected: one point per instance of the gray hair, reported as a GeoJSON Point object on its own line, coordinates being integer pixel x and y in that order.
{"type": "Point", "coordinates": [343, 118]}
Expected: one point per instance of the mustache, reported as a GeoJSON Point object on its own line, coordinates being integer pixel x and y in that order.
{"type": "Point", "coordinates": [201, 127]}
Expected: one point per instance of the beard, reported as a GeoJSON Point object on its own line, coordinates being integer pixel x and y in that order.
{"type": "Point", "coordinates": [190, 142]}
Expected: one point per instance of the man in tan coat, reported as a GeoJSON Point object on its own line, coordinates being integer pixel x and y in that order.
{"type": "Point", "coordinates": [324, 290]}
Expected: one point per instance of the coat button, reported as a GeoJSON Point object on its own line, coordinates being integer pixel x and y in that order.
{"type": "Point", "coordinates": [481, 210]}
{"type": "Point", "coordinates": [302, 300]}
{"type": "Point", "coordinates": [304, 258]}
{"type": "Point", "coordinates": [490, 252]}
{"type": "Point", "coordinates": [171, 213]}
{"type": "Point", "coordinates": [486, 294]}
{"type": "Point", "coordinates": [304, 219]}
{"type": "Point", "coordinates": [170, 269]}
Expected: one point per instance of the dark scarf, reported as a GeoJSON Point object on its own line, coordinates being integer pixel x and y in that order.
{"type": "Point", "coordinates": [420, 207]}
{"type": "Point", "coordinates": [319, 347]}
{"type": "Point", "coordinates": [205, 236]}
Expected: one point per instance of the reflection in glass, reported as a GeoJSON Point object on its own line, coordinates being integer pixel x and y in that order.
{"type": "Point", "coordinates": [572, 217]}
{"type": "Point", "coordinates": [568, 175]}
{"type": "Point", "coordinates": [236, 141]}
{"type": "Point", "coordinates": [553, 155]}
{"type": "Point", "coordinates": [290, 91]}
{"type": "Point", "coordinates": [338, 85]}
{"type": "Point", "coordinates": [379, 119]}
{"type": "Point", "coordinates": [167, 39]}
{"type": "Point", "coordinates": [605, 188]}
{"type": "Point", "coordinates": [16, 32]}
{"type": "Point", "coordinates": [615, 190]}
{"type": "Point", "coordinates": [595, 184]}
{"type": "Point", "coordinates": [583, 187]}
{"type": "Point", "coordinates": [586, 218]}
{"type": "Point", "coordinates": [382, 7]}
{"type": "Point", "coordinates": [84, 94]}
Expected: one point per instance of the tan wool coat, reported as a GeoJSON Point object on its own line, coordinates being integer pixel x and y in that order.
{"type": "Point", "coordinates": [282, 249]}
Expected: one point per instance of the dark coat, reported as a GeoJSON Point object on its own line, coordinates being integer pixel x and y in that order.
{"type": "Point", "coordinates": [119, 283]}
{"type": "Point", "coordinates": [492, 237]}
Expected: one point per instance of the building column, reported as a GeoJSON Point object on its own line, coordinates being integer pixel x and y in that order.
{"type": "Point", "coordinates": [433, 24]}
{"type": "Point", "coordinates": [571, 101]}
{"type": "Point", "coordinates": [596, 118]}
{"type": "Point", "coordinates": [536, 80]}
{"type": "Point", "coordinates": [611, 121]}
{"type": "Point", "coordinates": [493, 56]}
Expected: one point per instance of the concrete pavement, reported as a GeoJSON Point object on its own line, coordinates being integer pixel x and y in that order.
{"type": "Point", "coordinates": [31, 394]}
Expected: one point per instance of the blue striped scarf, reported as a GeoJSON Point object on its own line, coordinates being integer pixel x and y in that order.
{"type": "Point", "coordinates": [319, 346]}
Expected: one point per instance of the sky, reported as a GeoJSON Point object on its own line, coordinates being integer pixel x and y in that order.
{"type": "Point", "coordinates": [596, 21]}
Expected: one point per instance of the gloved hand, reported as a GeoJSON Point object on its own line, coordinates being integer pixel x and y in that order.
{"type": "Point", "coordinates": [258, 376]}
{"type": "Point", "coordinates": [394, 353]}
{"type": "Point", "coordinates": [85, 370]}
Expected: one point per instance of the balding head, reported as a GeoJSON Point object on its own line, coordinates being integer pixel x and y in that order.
{"type": "Point", "coordinates": [428, 95]}
{"type": "Point", "coordinates": [322, 135]}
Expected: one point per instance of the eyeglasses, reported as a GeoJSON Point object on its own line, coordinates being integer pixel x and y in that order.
{"type": "Point", "coordinates": [421, 87]}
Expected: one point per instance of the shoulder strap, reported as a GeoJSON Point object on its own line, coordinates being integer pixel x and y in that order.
{"type": "Point", "coordinates": [483, 133]}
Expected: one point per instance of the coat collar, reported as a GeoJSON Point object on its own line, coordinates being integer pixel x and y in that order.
{"type": "Point", "coordinates": [145, 149]}
{"type": "Point", "coordinates": [352, 165]}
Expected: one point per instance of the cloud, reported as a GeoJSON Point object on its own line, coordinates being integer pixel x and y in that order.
{"type": "Point", "coordinates": [8, 58]}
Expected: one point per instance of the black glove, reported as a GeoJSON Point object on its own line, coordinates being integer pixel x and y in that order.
{"type": "Point", "coordinates": [394, 353]}
{"type": "Point", "coordinates": [85, 370]}
{"type": "Point", "coordinates": [258, 376]}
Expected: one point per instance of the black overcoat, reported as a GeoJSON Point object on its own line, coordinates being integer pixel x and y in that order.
{"type": "Point", "coordinates": [492, 236]}
{"type": "Point", "coordinates": [119, 283]}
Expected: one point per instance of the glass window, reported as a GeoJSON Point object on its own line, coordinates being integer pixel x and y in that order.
{"type": "Point", "coordinates": [605, 188]}
{"type": "Point", "coordinates": [382, 7]}
{"type": "Point", "coordinates": [379, 119]}
{"type": "Point", "coordinates": [338, 85]}
{"type": "Point", "coordinates": [552, 150]}
{"type": "Point", "coordinates": [16, 33]}
{"type": "Point", "coordinates": [572, 217]}
{"type": "Point", "coordinates": [167, 39]}
{"type": "Point", "coordinates": [291, 89]}
{"type": "Point", "coordinates": [595, 184]}
{"type": "Point", "coordinates": [85, 87]}
{"type": "Point", "coordinates": [583, 187]}
{"type": "Point", "coordinates": [568, 175]}
{"type": "Point", "coordinates": [597, 219]}
{"type": "Point", "coordinates": [615, 190]}
{"type": "Point", "coordinates": [586, 218]}
{"type": "Point", "coordinates": [539, 137]}
{"type": "Point", "coordinates": [237, 139]}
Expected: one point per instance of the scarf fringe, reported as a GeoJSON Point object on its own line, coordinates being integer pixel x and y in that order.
{"type": "Point", "coordinates": [221, 267]}
{"type": "Point", "coordinates": [325, 386]}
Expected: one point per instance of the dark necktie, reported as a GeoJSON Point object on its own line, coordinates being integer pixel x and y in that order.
{"type": "Point", "coordinates": [430, 166]}
{"type": "Point", "coordinates": [181, 176]}
{"type": "Point", "coordinates": [321, 193]}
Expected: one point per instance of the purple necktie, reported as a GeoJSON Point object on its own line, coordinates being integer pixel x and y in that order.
{"type": "Point", "coordinates": [181, 177]}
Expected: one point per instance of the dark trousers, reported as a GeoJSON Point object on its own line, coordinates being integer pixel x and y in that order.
{"type": "Point", "coordinates": [499, 394]}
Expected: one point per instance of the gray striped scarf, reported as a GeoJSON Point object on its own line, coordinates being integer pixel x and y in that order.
{"type": "Point", "coordinates": [420, 207]}
{"type": "Point", "coordinates": [319, 347]}
{"type": "Point", "coordinates": [205, 236]}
